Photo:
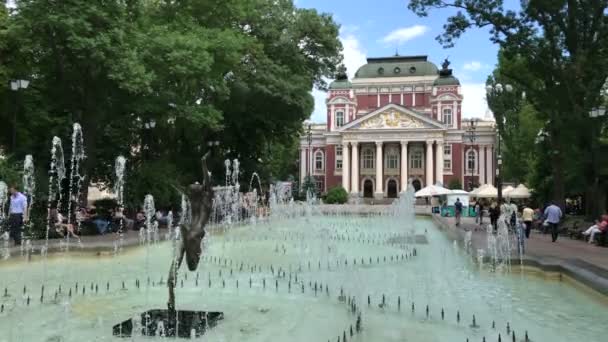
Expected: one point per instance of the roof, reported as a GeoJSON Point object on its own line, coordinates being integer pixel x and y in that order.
{"type": "Point", "coordinates": [446, 80]}
{"type": "Point", "coordinates": [397, 66]}
{"type": "Point", "coordinates": [340, 84]}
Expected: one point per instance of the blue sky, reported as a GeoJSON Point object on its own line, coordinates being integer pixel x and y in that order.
{"type": "Point", "coordinates": [377, 28]}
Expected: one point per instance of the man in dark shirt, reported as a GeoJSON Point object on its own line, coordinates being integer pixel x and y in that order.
{"type": "Point", "coordinates": [458, 210]}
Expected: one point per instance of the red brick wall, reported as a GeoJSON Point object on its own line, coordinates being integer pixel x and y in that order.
{"type": "Point", "coordinates": [407, 100]}
{"type": "Point", "coordinates": [383, 100]}
{"type": "Point", "coordinates": [457, 163]}
{"type": "Point", "coordinates": [330, 166]}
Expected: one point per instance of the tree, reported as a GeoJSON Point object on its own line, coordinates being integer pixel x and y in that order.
{"type": "Point", "coordinates": [562, 46]}
{"type": "Point", "coordinates": [236, 72]}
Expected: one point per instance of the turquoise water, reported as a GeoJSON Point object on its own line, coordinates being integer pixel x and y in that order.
{"type": "Point", "coordinates": [440, 276]}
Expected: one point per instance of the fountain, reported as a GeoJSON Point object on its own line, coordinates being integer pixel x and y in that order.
{"type": "Point", "coordinates": [308, 267]}
{"type": "Point", "coordinates": [181, 323]}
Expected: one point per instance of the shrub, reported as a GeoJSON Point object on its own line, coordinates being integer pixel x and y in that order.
{"type": "Point", "coordinates": [454, 184]}
{"type": "Point", "coordinates": [337, 195]}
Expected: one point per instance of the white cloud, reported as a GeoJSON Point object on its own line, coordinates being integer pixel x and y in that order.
{"type": "Point", "coordinates": [405, 34]}
{"type": "Point", "coordinates": [474, 104]}
{"type": "Point", "coordinates": [354, 57]}
{"type": "Point", "coordinates": [472, 66]}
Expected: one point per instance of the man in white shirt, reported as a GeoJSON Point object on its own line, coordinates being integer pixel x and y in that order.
{"type": "Point", "coordinates": [17, 214]}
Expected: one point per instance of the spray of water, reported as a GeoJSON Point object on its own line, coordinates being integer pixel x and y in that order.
{"type": "Point", "coordinates": [119, 187]}
{"type": "Point", "coordinates": [5, 236]}
{"type": "Point", "coordinates": [76, 178]}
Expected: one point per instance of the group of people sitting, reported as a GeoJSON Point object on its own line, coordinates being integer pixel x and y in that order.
{"type": "Point", "coordinates": [101, 222]}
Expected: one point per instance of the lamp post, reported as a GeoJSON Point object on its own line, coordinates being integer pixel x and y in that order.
{"type": "Point", "coordinates": [494, 90]}
{"type": "Point", "coordinates": [472, 126]}
{"type": "Point", "coordinates": [15, 86]}
{"type": "Point", "coordinates": [597, 113]}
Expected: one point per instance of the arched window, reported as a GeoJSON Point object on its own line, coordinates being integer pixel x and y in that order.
{"type": "Point", "coordinates": [368, 158]}
{"type": "Point", "coordinates": [392, 158]}
{"type": "Point", "coordinates": [319, 161]}
{"type": "Point", "coordinates": [339, 119]}
{"type": "Point", "coordinates": [447, 116]}
{"type": "Point", "coordinates": [471, 161]}
{"type": "Point", "coordinates": [416, 159]}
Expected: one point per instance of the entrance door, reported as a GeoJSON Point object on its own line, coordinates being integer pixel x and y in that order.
{"type": "Point", "coordinates": [368, 189]}
{"type": "Point", "coordinates": [392, 189]}
{"type": "Point", "coordinates": [416, 184]}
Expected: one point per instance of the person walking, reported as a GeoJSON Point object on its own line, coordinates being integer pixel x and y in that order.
{"type": "Point", "coordinates": [527, 216]}
{"type": "Point", "coordinates": [17, 214]}
{"type": "Point", "coordinates": [553, 215]}
{"type": "Point", "coordinates": [477, 212]}
{"type": "Point", "coordinates": [458, 211]}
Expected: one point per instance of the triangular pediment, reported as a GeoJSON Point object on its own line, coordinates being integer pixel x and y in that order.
{"type": "Point", "coordinates": [393, 116]}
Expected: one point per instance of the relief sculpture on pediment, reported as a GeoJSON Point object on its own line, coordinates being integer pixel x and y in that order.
{"type": "Point", "coordinates": [392, 119]}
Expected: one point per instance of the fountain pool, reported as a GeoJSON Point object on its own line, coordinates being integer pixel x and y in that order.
{"type": "Point", "coordinates": [263, 278]}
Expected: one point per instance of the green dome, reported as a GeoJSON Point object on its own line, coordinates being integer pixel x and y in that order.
{"type": "Point", "coordinates": [397, 66]}
{"type": "Point", "coordinates": [340, 84]}
{"type": "Point", "coordinates": [446, 80]}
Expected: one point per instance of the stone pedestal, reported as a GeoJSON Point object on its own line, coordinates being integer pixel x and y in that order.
{"type": "Point", "coordinates": [184, 324]}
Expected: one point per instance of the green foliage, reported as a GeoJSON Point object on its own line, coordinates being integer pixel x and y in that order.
{"type": "Point", "coordinates": [309, 184]}
{"type": "Point", "coordinates": [454, 184]}
{"type": "Point", "coordinates": [105, 205]}
{"type": "Point", "coordinates": [10, 173]}
{"type": "Point", "coordinates": [556, 52]}
{"type": "Point", "coordinates": [336, 195]}
{"type": "Point", "coordinates": [237, 72]}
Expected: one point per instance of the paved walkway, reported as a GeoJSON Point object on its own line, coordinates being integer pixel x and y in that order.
{"type": "Point", "coordinates": [584, 262]}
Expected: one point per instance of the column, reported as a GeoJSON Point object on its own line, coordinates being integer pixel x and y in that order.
{"type": "Point", "coordinates": [332, 115]}
{"type": "Point", "coordinates": [414, 97]}
{"type": "Point", "coordinates": [310, 161]}
{"type": "Point", "coordinates": [482, 164]}
{"type": "Point", "coordinates": [379, 158]}
{"type": "Point", "coordinates": [404, 160]}
{"type": "Point", "coordinates": [491, 167]}
{"type": "Point", "coordinates": [345, 166]}
{"type": "Point", "coordinates": [302, 165]}
{"type": "Point", "coordinates": [439, 162]}
{"type": "Point", "coordinates": [355, 167]}
{"type": "Point", "coordinates": [429, 163]}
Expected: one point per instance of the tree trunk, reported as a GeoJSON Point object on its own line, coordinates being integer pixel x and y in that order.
{"type": "Point", "coordinates": [559, 189]}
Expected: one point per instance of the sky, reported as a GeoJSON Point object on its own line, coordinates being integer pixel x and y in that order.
{"type": "Point", "coordinates": [380, 28]}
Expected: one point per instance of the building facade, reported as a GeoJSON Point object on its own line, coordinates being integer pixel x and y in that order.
{"type": "Point", "coordinates": [400, 118]}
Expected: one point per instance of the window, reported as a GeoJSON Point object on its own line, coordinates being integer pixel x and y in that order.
{"type": "Point", "coordinates": [416, 159]}
{"type": "Point", "coordinates": [368, 158]}
{"type": "Point", "coordinates": [447, 116]}
{"type": "Point", "coordinates": [392, 158]}
{"type": "Point", "coordinates": [338, 157]}
{"type": "Point", "coordinates": [447, 157]}
{"type": "Point", "coordinates": [319, 161]}
{"type": "Point", "coordinates": [339, 119]}
{"type": "Point", "coordinates": [471, 161]}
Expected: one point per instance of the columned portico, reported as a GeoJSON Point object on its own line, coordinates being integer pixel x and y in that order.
{"type": "Point", "coordinates": [429, 163]}
{"type": "Point", "coordinates": [345, 166]}
{"type": "Point", "coordinates": [379, 166]}
{"type": "Point", "coordinates": [302, 165]}
{"type": "Point", "coordinates": [482, 165]}
{"type": "Point", "coordinates": [403, 170]}
{"type": "Point", "coordinates": [355, 169]}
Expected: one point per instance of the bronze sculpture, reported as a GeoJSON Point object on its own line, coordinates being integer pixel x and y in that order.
{"type": "Point", "coordinates": [192, 233]}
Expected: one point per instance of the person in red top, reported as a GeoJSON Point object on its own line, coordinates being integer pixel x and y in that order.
{"type": "Point", "coordinates": [598, 227]}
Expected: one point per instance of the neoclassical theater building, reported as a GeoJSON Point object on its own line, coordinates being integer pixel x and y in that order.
{"type": "Point", "coordinates": [399, 118]}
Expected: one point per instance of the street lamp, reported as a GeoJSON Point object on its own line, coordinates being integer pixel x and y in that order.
{"type": "Point", "coordinates": [472, 126]}
{"type": "Point", "coordinates": [15, 86]}
{"type": "Point", "coordinates": [493, 90]}
{"type": "Point", "coordinates": [596, 113]}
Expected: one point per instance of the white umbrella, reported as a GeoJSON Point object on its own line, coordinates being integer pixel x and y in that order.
{"type": "Point", "coordinates": [459, 192]}
{"type": "Point", "coordinates": [521, 191]}
{"type": "Point", "coordinates": [477, 190]}
{"type": "Point", "coordinates": [432, 190]}
{"type": "Point", "coordinates": [507, 190]}
{"type": "Point", "coordinates": [489, 191]}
